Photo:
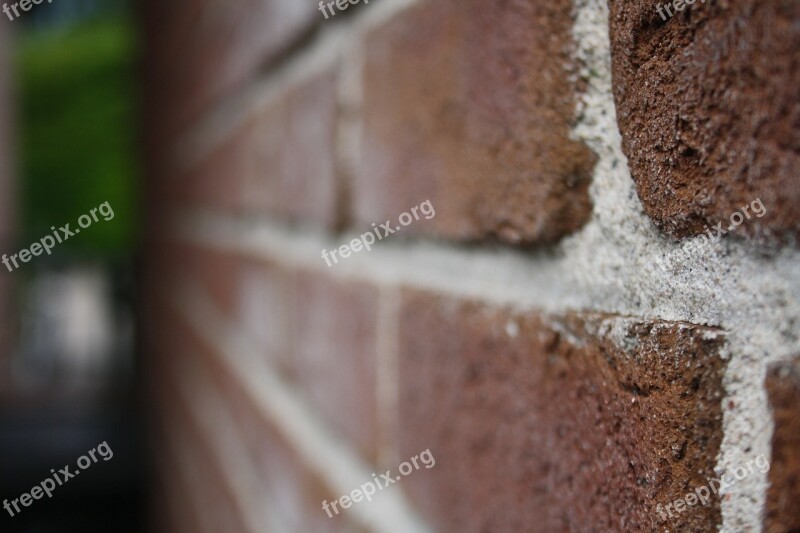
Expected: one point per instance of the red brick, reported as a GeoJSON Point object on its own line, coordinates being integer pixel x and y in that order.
{"type": "Point", "coordinates": [200, 51]}
{"type": "Point", "coordinates": [548, 420]}
{"type": "Point", "coordinates": [471, 107]}
{"type": "Point", "coordinates": [279, 162]}
{"type": "Point", "coordinates": [334, 343]}
{"type": "Point", "coordinates": [709, 112]}
{"type": "Point", "coordinates": [783, 387]}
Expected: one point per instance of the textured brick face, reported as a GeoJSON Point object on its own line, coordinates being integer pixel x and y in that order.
{"type": "Point", "coordinates": [783, 387]}
{"type": "Point", "coordinates": [549, 421]}
{"type": "Point", "coordinates": [709, 110]}
{"type": "Point", "coordinates": [468, 105]}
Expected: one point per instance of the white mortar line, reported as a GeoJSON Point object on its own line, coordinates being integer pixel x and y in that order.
{"type": "Point", "coordinates": [347, 145]}
{"type": "Point", "coordinates": [332, 460]}
{"type": "Point", "coordinates": [728, 284]}
{"type": "Point", "coordinates": [502, 276]}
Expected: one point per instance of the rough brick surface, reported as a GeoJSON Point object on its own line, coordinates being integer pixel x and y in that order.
{"type": "Point", "coordinates": [570, 423]}
{"type": "Point", "coordinates": [783, 387]}
{"type": "Point", "coordinates": [470, 107]}
{"type": "Point", "coordinates": [202, 50]}
{"type": "Point", "coordinates": [709, 111]}
{"type": "Point", "coordinates": [279, 162]}
{"type": "Point", "coordinates": [334, 346]}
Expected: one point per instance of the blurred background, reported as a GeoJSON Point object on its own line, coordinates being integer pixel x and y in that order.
{"type": "Point", "coordinates": [68, 374]}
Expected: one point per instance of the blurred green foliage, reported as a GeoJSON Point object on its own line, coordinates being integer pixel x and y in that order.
{"type": "Point", "coordinates": [76, 89]}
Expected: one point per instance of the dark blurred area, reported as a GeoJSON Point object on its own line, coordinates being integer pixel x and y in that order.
{"type": "Point", "coordinates": [68, 374]}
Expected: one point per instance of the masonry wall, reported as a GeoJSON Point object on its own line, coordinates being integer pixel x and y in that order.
{"type": "Point", "coordinates": [542, 310]}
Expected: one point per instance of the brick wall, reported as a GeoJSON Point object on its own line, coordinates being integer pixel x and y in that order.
{"type": "Point", "coordinates": [559, 335]}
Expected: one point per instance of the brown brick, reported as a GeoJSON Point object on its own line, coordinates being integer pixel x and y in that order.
{"type": "Point", "coordinates": [334, 342]}
{"type": "Point", "coordinates": [470, 107]}
{"type": "Point", "coordinates": [709, 111]}
{"type": "Point", "coordinates": [571, 423]}
{"type": "Point", "coordinates": [783, 387]}
{"type": "Point", "coordinates": [280, 161]}
{"type": "Point", "coordinates": [199, 51]}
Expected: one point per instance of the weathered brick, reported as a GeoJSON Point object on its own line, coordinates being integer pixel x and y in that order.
{"type": "Point", "coordinates": [279, 162]}
{"type": "Point", "coordinates": [571, 423]}
{"type": "Point", "coordinates": [783, 388]}
{"type": "Point", "coordinates": [470, 107]}
{"type": "Point", "coordinates": [334, 344]}
{"type": "Point", "coordinates": [709, 111]}
{"type": "Point", "coordinates": [199, 51]}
